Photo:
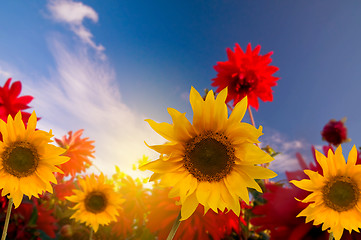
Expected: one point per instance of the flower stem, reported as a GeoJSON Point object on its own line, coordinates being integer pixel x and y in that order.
{"type": "Point", "coordinates": [252, 119]}
{"type": "Point", "coordinates": [97, 168]}
{"type": "Point", "coordinates": [7, 219]}
{"type": "Point", "coordinates": [251, 115]}
{"type": "Point", "coordinates": [91, 233]}
{"type": "Point", "coordinates": [175, 227]}
{"type": "Point", "coordinates": [254, 125]}
{"type": "Point", "coordinates": [331, 236]}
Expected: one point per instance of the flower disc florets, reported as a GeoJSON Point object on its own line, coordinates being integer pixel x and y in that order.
{"type": "Point", "coordinates": [95, 202]}
{"type": "Point", "coordinates": [341, 193]}
{"type": "Point", "coordinates": [209, 156]}
{"type": "Point", "coordinates": [21, 159]}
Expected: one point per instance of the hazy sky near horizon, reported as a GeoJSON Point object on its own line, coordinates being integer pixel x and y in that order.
{"type": "Point", "coordinates": [106, 66]}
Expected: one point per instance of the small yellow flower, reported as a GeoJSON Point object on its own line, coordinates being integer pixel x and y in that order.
{"type": "Point", "coordinates": [27, 160]}
{"type": "Point", "coordinates": [335, 198]}
{"type": "Point", "coordinates": [97, 203]}
{"type": "Point", "coordinates": [212, 161]}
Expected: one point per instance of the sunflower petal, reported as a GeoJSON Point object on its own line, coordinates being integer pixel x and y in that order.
{"type": "Point", "coordinates": [189, 206]}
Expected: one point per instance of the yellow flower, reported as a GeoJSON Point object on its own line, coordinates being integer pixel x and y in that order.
{"type": "Point", "coordinates": [335, 200]}
{"type": "Point", "coordinates": [27, 160]}
{"type": "Point", "coordinates": [97, 203]}
{"type": "Point", "coordinates": [213, 161]}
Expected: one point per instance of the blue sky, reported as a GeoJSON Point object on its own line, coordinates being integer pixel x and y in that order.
{"type": "Point", "coordinates": [105, 66]}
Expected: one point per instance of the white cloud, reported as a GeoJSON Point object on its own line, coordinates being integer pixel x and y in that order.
{"type": "Point", "coordinates": [82, 93]}
{"type": "Point", "coordinates": [73, 14]}
{"type": "Point", "coordinates": [4, 74]}
{"type": "Point", "coordinates": [286, 161]}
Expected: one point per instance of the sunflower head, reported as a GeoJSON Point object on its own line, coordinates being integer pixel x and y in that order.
{"type": "Point", "coordinates": [335, 198]}
{"type": "Point", "coordinates": [96, 203]}
{"type": "Point", "coordinates": [246, 74]}
{"type": "Point", "coordinates": [212, 161]}
{"type": "Point", "coordinates": [27, 160]}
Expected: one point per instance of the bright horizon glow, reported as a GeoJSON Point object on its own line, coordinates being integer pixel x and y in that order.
{"type": "Point", "coordinates": [105, 68]}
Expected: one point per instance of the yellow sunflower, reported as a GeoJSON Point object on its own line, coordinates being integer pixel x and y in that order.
{"type": "Point", "coordinates": [213, 161]}
{"type": "Point", "coordinates": [97, 203]}
{"type": "Point", "coordinates": [27, 160]}
{"type": "Point", "coordinates": [335, 200]}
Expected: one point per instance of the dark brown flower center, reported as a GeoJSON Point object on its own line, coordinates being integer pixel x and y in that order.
{"type": "Point", "coordinates": [341, 193]}
{"type": "Point", "coordinates": [95, 202]}
{"type": "Point", "coordinates": [209, 156]}
{"type": "Point", "coordinates": [20, 159]}
{"type": "Point", "coordinates": [244, 83]}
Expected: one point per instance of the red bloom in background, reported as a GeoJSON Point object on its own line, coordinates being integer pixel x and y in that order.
{"type": "Point", "coordinates": [279, 213]}
{"type": "Point", "coordinates": [163, 211]}
{"type": "Point", "coordinates": [246, 74]}
{"type": "Point", "coordinates": [79, 150]}
{"type": "Point", "coordinates": [11, 103]}
{"type": "Point", "coordinates": [63, 188]}
{"type": "Point", "coordinates": [335, 132]}
{"type": "Point", "coordinates": [123, 226]}
{"type": "Point", "coordinates": [28, 219]}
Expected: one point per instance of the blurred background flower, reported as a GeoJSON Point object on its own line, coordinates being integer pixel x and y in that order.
{"type": "Point", "coordinates": [79, 150]}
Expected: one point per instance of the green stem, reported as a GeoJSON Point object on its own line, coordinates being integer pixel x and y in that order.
{"type": "Point", "coordinates": [175, 227]}
{"type": "Point", "coordinates": [7, 219]}
{"type": "Point", "coordinates": [95, 166]}
{"type": "Point", "coordinates": [246, 228]}
{"type": "Point", "coordinates": [91, 233]}
{"type": "Point", "coordinates": [331, 236]}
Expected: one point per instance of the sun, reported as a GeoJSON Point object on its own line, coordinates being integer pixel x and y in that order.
{"type": "Point", "coordinates": [213, 161]}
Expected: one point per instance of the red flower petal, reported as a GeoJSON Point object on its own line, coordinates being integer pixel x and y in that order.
{"type": "Point", "coordinates": [246, 74]}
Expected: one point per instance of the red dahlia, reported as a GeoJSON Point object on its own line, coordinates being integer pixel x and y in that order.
{"type": "Point", "coordinates": [11, 103]}
{"type": "Point", "coordinates": [335, 132]}
{"type": "Point", "coordinates": [29, 220]}
{"type": "Point", "coordinates": [246, 74]}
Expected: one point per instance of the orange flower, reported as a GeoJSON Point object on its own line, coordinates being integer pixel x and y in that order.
{"type": "Point", "coordinates": [123, 227]}
{"type": "Point", "coordinates": [134, 194]}
{"type": "Point", "coordinates": [79, 150]}
{"type": "Point", "coordinates": [134, 210]}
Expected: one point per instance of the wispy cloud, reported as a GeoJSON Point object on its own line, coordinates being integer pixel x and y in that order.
{"type": "Point", "coordinates": [82, 93]}
{"type": "Point", "coordinates": [4, 74]}
{"type": "Point", "coordinates": [286, 161]}
{"type": "Point", "coordinates": [73, 14]}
